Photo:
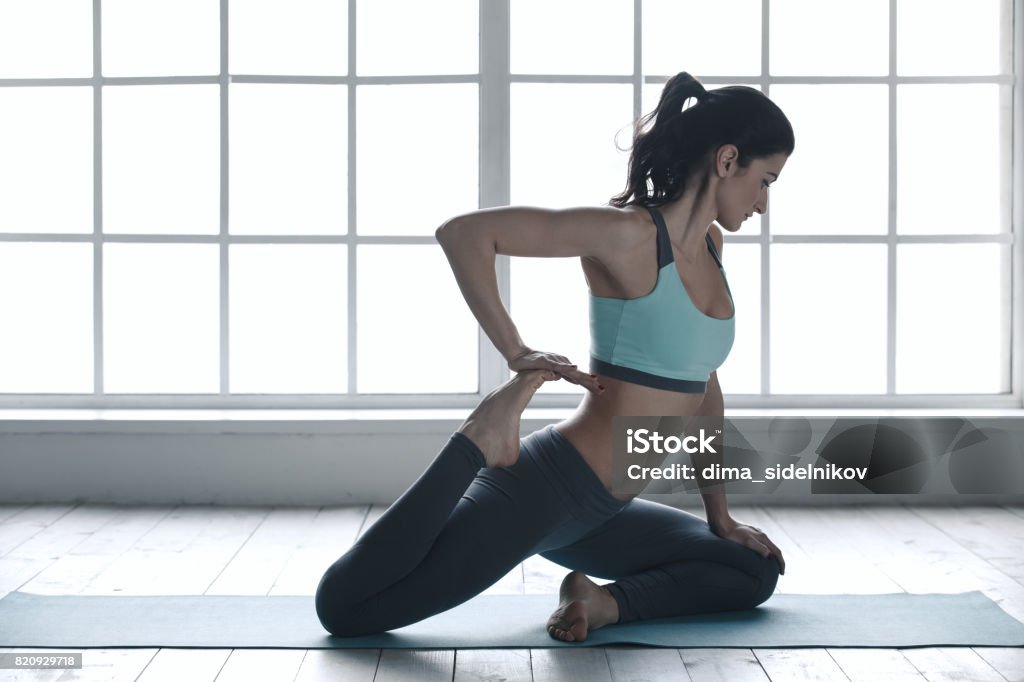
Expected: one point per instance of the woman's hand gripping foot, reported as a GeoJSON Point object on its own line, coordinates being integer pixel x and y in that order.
{"type": "Point", "coordinates": [583, 605]}
{"type": "Point", "coordinates": [494, 424]}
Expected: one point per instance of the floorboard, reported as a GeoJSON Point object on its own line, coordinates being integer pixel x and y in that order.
{"type": "Point", "coordinates": [708, 665]}
{"type": "Point", "coordinates": [102, 549]}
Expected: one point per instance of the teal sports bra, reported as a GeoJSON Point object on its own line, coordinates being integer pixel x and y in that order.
{"type": "Point", "coordinates": [660, 339]}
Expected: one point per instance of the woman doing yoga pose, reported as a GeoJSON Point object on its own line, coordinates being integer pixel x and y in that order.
{"type": "Point", "coordinates": [662, 320]}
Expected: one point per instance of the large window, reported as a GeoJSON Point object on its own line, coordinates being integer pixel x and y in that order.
{"type": "Point", "coordinates": [224, 203]}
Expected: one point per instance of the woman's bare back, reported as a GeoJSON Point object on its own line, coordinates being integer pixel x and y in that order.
{"type": "Point", "coordinates": [633, 274]}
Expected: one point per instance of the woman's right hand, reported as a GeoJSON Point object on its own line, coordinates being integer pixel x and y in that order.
{"type": "Point", "coordinates": [559, 364]}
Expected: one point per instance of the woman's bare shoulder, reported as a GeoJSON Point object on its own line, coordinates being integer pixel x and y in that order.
{"type": "Point", "coordinates": [626, 271]}
{"type": "Point", "coordinates": [600, 233]}
{"type": "Point", "coordinates": [635, 234]}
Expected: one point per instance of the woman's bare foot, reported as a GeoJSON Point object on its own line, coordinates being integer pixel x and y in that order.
{"type": "Point", "coordinates": [583, 605]}
{"type": "Point", "coordinates": [494, 425]}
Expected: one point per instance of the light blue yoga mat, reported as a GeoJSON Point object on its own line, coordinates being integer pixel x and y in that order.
{"type": "Point", "coordinates": [497, 621]}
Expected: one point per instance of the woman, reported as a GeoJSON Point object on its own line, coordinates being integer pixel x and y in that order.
{"type": "Point", "coordinates": [662, 320]}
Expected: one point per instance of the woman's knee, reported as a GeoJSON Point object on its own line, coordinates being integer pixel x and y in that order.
{"type": "Point", "coordinates": [339, 613]}
{"type": "Point", "coordinates": [341, 618]}
{"type": "Point", "coordinates": [767, 579]}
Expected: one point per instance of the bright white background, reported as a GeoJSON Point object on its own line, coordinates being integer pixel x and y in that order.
{"type": "Point", "coordinates": [258, 220]}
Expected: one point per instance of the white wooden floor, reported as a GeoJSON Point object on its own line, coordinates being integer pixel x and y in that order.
{"type": "Point", "coordinates": [92, 549]}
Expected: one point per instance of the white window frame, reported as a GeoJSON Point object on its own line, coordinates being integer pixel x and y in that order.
{"type": "Point", "coordinates": [494, 81]}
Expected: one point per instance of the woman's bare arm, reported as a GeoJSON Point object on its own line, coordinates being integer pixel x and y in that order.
{"type": "Point", "coordinates": [472, 241]}
{"type": "Point", "coordinates": [589, 231]}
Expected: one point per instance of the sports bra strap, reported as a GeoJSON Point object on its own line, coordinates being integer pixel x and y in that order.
{"type": "Point", "coordinates": [714, 251]}
{"type": "Point", "coordinates": [664, 245]}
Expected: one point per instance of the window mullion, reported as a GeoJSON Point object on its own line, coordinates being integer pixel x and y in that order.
{"type": "Point", "coordinates": [766, 237]}
{"type": "Point", "coordinates": [890, 321]}
{"type": "Point", "coordinates": [352, 265]}
{"type": "Point", "coordinates": [494, 157]}
{"type": "Point", "coordinates": [1017, 198]}
{"type": "Point", "coordinates": [97, 206]}
{"type": "Point", "coordinates": [225, 297]}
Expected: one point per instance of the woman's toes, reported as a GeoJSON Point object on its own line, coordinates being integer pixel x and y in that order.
{"type": "Point", "coordinates": [559, 633]}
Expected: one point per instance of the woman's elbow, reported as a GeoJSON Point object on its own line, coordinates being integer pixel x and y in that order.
{"type": "Point", "coordinates": [447, 231]}
{"type": "Point", "coordinates": [441, 233]}
{"type": "Point", "coordinates": [457, 235]}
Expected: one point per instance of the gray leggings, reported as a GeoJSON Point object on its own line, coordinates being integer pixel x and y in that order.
{"type": "Point", "coordinates": [461, 526]}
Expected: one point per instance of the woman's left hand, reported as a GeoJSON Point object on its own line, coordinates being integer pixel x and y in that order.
{"type": "Point", "coordinates": [749, 536]}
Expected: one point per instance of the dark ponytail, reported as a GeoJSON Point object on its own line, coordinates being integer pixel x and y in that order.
{"type": "Point", "coordinates": [678, 145]}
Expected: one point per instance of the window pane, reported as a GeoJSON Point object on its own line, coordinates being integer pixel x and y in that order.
{"type": "Point", "coordinates": [951, 333]}
{"type": "Point", "coordinates": [550, 307]}
{"type": "Point", "coordinates": [572, 36]}
{"type": "Point", "coordinates": [414, 38]}
{"type": "Point", "coordinates": [563, 143]}
{"type": "Point", "coordinates": [160, 37]}
{"type": "Point", "coordinates": [161, 318]}
{"type": "Point", "coordinates": [46, 39]}
{"type": "Point", "coordinates": [813, 38]}
{"type": "Point", "coordinates": [297, 37]}
{"type": "Point", "coordinates": [418, 155]}
{"type": "Point", "coordinates": [949, 38]}
{"type": "Point", "coordinates": [46, 163]}
{"type": "Point", "coordinates": [651, 93]}
{"type": "Point", "coordinates": [415, 331]}
{"type": "Point", "coordinates": [828, 326]}
{"type": "Point", "coordinates": [686, 35]}
{"type": "Point", "coordinates": [46, 305]}
{"type": "Point", "coordinates": [288, 171]}
{"type": "Point", "coordinates": [289, 318]}
{"type": "Point", "coordinates": [949, 159]}
{"type": "Point", "coordinates": [741, 371]}
{"type": "Point", "coordinates": [161, 159]}
{"type": "Point", "coordinates": [817, 195]}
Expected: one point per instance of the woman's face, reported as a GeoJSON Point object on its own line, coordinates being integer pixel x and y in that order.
{"type": "Point", "coordinates": [744, 191]}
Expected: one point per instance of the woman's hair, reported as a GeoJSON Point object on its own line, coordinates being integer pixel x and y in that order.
{"type": "Point", "coordinates": [679, 143]}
